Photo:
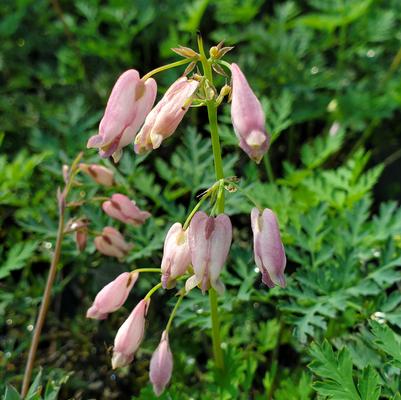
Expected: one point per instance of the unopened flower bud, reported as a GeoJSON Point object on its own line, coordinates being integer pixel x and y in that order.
{"type": "Point", "coordinates": [66, 173]}
{"type": "Point", "coordinates": [176, 255]}
{"type": "Point", "coordinates": [112, 296]}
{"type": "Point", "coordinates": [125, 210]}
{"type": "Point", "coordinates": [268, 248]}
{"type": "Point", "coordinates": [130, 101]}
{"type": "Point", "coordinates": [111, 243]}
{"type": "Point", "coordinates": [161, 365]}
{"type": "Point", "coordinates": [209, 91]}
{"type": "Point", "coordinates": [81, 238]}
{"type": "Point", "coordinates": [130, 335]}
{"type": "Point", "coordinates": [165, 117]}
{"type": "Point", "coordinates": [225, 90]}
{"type": "Point", "coordinates": [248, 117]}
{"type": "Point", "coordinates": [209, 242]}
{"type": "Point", "coordinates": [101, 175]}
{"type": "Point", "coordinates": [214, 52]}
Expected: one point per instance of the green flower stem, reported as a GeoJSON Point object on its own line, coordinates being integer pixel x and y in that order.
{"type": "Point", "coordinates": [249, 197]}
{"type": "Point", "coordinates": [146, 270]}
{"type": "Point", "coordinates": [268, 166]}
{"type": "Point", "coordinates": [49, 283]}
{"type": "Point", "coordinates": [218, 167]}
{"type": "Point", "coordinates": [151, 291]}
{"type": "Point", "coordinates": [194, 210]}
{"type": "Point", "coordinates": [166, 67]}
{"type": "Point", "coordinates": [214, 314]}
{"type": "Point", "coordinates": [224, 63]}
{"type": "Point", "coordinates": [172, 315]}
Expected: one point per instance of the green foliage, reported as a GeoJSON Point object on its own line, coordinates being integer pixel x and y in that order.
{"type": "Point", "coordinates": [337, 370]}
{"type": "Point", "coordinates": [328, 76]}
{"type": "Point", "coordinates": [338, 378]}
{"type": "Point", "coordinates": [15, 176]}
{"type": "Point", "coordinates": [37, 391]}
{"type": "Point", "coordinates": [17, 257]}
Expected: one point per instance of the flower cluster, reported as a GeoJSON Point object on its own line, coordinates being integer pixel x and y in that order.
{"type": "Point", "coordinates": [110, 241]}
{"type": "Point", "coordinates": [196, 250]}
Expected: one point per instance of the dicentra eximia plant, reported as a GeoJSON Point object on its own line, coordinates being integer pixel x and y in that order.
{"type": "Point", "coordinates": [195, 250]}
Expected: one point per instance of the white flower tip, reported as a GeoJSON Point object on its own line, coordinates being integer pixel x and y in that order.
{"type": "Point", "coordinates": [94, 313]}
{"type": "Point", "coordinates": [256, 139]}
{"type": "Point", "coordinates": [191, 282]}
{"type": "Point", "coordinates": [117, 155]}
{"type": "Point", "coordinates": [156, 139]}
{"type": "Point", "coordinates": [120, 360]}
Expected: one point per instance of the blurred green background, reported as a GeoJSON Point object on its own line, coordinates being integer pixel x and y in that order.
{"type": "Point", "coordinates": [328, 75]}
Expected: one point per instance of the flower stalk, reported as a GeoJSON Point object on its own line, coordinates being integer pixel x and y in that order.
{"type": "Point", "coordinates": [218, 167]}
{"type": "Point", "coordinates": [50, 280]}
{"type": "Point", "coordinates": [166, 67]}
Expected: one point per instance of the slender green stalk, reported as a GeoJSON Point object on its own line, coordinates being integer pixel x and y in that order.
{"type": "Point", "coordinates": [49, 283]}
{"type": "Point", "coordinates": [166, 67]}
{"type": "Point", "coordinates": [268, 166]}
{"type": "Point", "coordinates": [249, 197]}
{"type": "Point", "coordinates": [194, 210]}
{"type": "Point", "coordinates": [172, 315]}
{"type": "Point", "coordinates": [214, 314]}
{"type": "Point", "coordinates": [80, 203]}
{"type": "Point", "coordinates": [151, 291]}
{"type": "Point", "coordinates": [218, 166]}
{"type": "Point", "coordinates": [224, 63]}
{"type": "Point", "coordinates": [146, 270]}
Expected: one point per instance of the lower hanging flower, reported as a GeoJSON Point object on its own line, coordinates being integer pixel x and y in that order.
{"type": "Point", "coordinates": [130, 335]}
{"type": "Point", "coordinates": [209, 243]}
{"type": "Point", "coordinates": [161, 365]}
{"type": "Point", "coordinates": [268, 247]}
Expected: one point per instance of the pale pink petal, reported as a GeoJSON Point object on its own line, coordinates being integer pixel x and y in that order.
{"type": "Point", "coordinates": [161, 366]}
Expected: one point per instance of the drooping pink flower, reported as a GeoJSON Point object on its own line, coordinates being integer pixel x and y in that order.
{"type": "Point", "coordinates": [247, 117]}
{"type": "Point", "coordinates": [209, 242]}
{"type": "Point", "coordinates": [163, 120]}
{"type": "Point", "coordinates": [112, 296]}
{"type": "Point", "coordinates": [125, 210]}
{"type": "Point", "coordinates": [161, 365]}
{"type": "Point", "coordinates": [112, 243]}
{"type": "Point", "coordinates": [80, 227]}
{"type": "Point", "coordinates": [130, 101]}
{"type": "Point", "coordinates": [81, 238]}
{"type": "Point", "coordinates": [176, 255]}
{"type": "Point", "coordinates": [268, 248]}
{"type": "Point", "coordinates": [130, 335]}
{"type": "Point", "coordinates": [101, 175]}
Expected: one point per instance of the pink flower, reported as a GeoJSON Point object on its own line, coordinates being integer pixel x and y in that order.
{"type": "Point", "coordinates": [112, 296]}
{"type": "Point", "coordinates": [130, 335]}
{"type": "Point", "coordinates": [81, 238]}
{"type": "Point", "coordinates": [130, 101]}
{"type": "Point", "coordinates": [125, 210]}
{"type": "Point", "coordinates": [101, 175]}
{"type": "Point", "coordinates": [112, 243]}
{"type": "Point", "coordinates": [268, 247]}
{"type": "Point", "coordinates": [163, 120]}
{"type": "Point", "coordinates": [80, 227]}
{"type": "Point", "coordinates": [176, 255]}
{"type": "Point", "coordinates": [248, 117]}
{"type": "Point", "coordinates": [209, 242]}
{"type": "Point", "coordinates": [161, 365]}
